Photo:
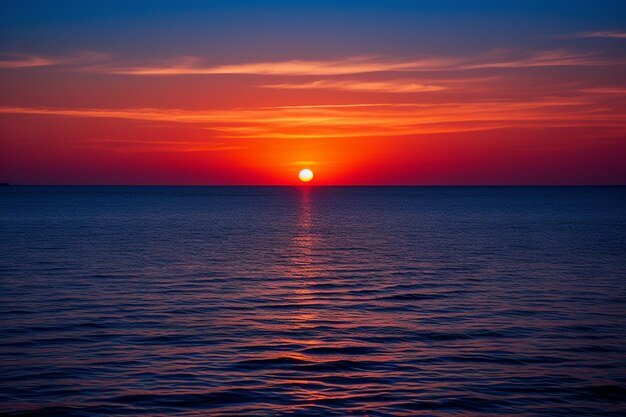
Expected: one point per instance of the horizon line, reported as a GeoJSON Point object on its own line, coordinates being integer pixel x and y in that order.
{"type": "Point", "coordinates": [314, 186]}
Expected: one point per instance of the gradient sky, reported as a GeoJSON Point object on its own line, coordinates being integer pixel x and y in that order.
{"type": "Point", "coordinates": [362, 92]}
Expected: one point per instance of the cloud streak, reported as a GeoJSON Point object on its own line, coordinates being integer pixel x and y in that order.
{"type": "Point", "coordinates": [606, 90]}
{"type": "Point", "coordinates": [497, 59]}
{"type": "Point", "coordinates": [352, 65]}
{"type": "Point", "coordinates": [610, 34]}
{"type": "Point", "coordinates": [391, 86]}
{"type": "Point", "coordinates": [366, 120]}
{"type": "Point", "coordinates": [26, 61]}
{"type": "Point", "coordinates": [147, 146]}
{"type": "Point", "coordinates": [190, 65]}
{"type": "Point", "coordinates": [9, 61]}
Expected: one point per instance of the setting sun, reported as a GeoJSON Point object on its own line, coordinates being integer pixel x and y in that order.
{"type": "Point", "coordinates": [305, 175]}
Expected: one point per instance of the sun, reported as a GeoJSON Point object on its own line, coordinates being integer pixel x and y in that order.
{"type": "Point", "coordinates": [305, 175]}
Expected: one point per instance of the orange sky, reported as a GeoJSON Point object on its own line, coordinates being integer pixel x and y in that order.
{"type": "Point", "coordinates": [526, 109]}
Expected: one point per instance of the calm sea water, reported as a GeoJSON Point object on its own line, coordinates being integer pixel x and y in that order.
{"type": "Point", "coordinates": [263, 301]}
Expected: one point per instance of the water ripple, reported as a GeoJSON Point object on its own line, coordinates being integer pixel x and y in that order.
{"type": "Point", "coordinates": [156, 301]}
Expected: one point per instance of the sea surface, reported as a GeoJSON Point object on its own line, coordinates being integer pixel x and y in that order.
{"type": "Point", "coordinates": [338, 301]}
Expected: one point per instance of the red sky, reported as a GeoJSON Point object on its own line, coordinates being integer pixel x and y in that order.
{"type": "Point", "coordinates": [138, 96]}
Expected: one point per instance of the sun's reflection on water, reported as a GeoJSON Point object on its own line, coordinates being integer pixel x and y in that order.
{"type": "Point", "coordinates": [305, 240]}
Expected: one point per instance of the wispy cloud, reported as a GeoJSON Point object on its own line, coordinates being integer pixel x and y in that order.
{"type": "Point", "coordinates": [606, 90]}
{"type": "Point", "coordinates": [612, 34]}
{"type": "Point", "coordinates": [359, 65]}
{"type": "Point", "coordinates": [367, 120]}
{"type": "Point", "coordinates": [390, 86]}
{"type": "Point", "coordinates": [353, 65]}
{"type": "Point", "coordinates": [143, 145]}
{"type": "Point", "coordinates": [560, 57]}
{"type": "Point", "coordinates": [25, 61]}
{"type": "Point", "coordinates": [29, 61]}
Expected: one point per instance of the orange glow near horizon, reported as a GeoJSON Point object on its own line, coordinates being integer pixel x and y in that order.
{"type": "Point", "coordinates": [548, 111]}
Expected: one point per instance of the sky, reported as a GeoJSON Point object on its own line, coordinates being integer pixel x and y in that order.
{"type": "Point", "coordinates": [389, 92]}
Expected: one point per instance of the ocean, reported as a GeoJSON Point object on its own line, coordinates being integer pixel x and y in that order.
{"type": "Point", "coordinates": [330, 301]}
